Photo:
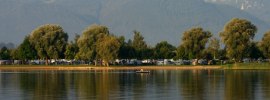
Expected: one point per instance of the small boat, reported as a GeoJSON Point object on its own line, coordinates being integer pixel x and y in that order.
{"type": "Point", "coordinates": [142, 71]}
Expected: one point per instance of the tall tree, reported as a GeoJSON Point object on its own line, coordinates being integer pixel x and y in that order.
{"type": "Point", "coordinates": [87, 42]}
{"type": "Point", "coordinates": [264, 45]}
{"type": "Point", "coordinates": [4, 53]}
{"type": "Point", "coordinates": [26, 51]}
{"type": "Point", "coordinates": [50, 41]}
{"type": "Point", "coordinates": [107, 48]}
{"type": "Point", "coordinates": [139, 44]}
{"type": "Point", "coordinates": [164, 50]}
{"type": "Point", "coordinates": [213, 47]}
{"type": "Point", "coordinates": [193, 42]}
{"type": "Point", "coordinates": [237, 36]}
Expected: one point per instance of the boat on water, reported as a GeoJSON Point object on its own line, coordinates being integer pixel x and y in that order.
{"type": "Point", "coordinates": [142, 71]}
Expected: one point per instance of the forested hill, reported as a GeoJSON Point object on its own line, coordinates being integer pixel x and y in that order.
{"type": "Point", "coordinates": [157, 20]}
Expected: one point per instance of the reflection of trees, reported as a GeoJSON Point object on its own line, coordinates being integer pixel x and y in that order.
{"type": "Point", "coordinates": [50, 85]}
{"type": "Point", "coordinates": [265, 81]}
{"type": "Point", "coordinates": [27, 82]}
{"type": "Point", "coordinates": [240, 85]}
{"type": "Point", "coordinates": [191, 84]}
{"type": "Point", "coordinates": [199, 84]}
{"type": "Point", "coordinates": [163, 80]}
{"type": "Point", "coordinates": [133, 85]}
{"type": "Point", "coordinates": [96, 85]}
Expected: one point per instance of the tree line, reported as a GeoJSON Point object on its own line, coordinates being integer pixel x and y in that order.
{"type": "Point", "coordinates": [96, 43]}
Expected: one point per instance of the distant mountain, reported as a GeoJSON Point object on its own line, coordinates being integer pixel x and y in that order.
{"type": "Point", "coordinates": [157, 20]}
{"type": "Point", "coordinates": [167, 19]}
{"type": "Point", "coordinates": [258, 8]}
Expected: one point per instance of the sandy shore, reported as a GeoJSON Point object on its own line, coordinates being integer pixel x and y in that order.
{"type": "Point", "coordinates": [108, 68]}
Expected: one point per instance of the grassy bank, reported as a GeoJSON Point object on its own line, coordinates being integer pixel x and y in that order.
{"type": "Point", "coordinates": [85, 67]}
{"type": "Point", "coordinates": [248, 66]}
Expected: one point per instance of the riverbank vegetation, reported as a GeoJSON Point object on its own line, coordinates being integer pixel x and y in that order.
{"type": "Point", "coordinates": [247, 66]}
{"type": "Point", "coordinates": [97, 46]}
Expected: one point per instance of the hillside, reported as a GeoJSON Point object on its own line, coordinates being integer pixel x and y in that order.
{"type": "Point", "coordinates": [167, 19]}
{"type": "Point", "coordinates": [157, 20]}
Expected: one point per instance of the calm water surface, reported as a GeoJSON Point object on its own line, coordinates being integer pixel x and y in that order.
{"type": "Point", "coordinates": [127, 85]}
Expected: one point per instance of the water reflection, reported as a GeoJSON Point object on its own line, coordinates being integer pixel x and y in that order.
{"type": "Point", "coordinates": [160, 84]}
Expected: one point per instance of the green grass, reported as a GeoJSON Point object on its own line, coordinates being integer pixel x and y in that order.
{"type": "Point", "coordinates": [247, 66]}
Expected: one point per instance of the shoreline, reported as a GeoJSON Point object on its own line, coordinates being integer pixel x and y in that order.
{"type": "Point", "coordinates": [82, 68]}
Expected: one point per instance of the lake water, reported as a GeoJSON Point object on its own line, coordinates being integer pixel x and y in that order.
{"type": "Point", "coordinates": [127, 85]}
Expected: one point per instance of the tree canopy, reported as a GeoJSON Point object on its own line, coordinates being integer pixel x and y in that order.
{"type": "Point", "coordinates": [164, 50]}
{"type": "Point", "coordinates": [237, 36]}
{"type": "Point", "coordinates": [193, 43]}
{"type": "Point", "coordinates": [107, 48]}
{"type": "Point", "coordinates": [26, 51]}
{"type": "Point", "coordinates": [139, 45]}
{"type": "Point", "coordinates": [126, 51]}
{"type": "Point", "coordinates": [88, 41]}
{"type": "Point", "coordinates": [4, 53]}
{"type": "Point", "coordinates": [72, 48]}
{"type": "Point", "coordinates": [49, 40]}
{"type": "Point", "coordinates": [264, 45]}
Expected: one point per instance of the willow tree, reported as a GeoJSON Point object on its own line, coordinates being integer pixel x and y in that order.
{"type": "Point", "coordinates": [264, 45]}
{"type": "Point", "coordinates": [237, 36]}
{"type": "Point", "coordinates": [87, 42]}
{"type": "Point", "coordinates": [193, 43]}
{"type": "Point", "coordinates": [50, 41]}
{"type": "Point", "coordinates": [107, 48]}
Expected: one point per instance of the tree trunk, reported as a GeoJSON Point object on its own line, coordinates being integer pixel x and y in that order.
{"type": "Point", "coordinates": [47, 62]}
{"type": "Point", "coordinates": [106, 63]}
{"type": "Point", "coordinates": [95, 62]}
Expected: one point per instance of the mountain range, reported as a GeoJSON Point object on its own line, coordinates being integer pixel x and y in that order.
{"type": "Point", "coordinates": [157, 20]}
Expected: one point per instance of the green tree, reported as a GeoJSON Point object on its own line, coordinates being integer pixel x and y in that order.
{"type": "Point", "coordinates": [237, 36]}
{"type": "Point", "coordinates": [26, 51]}
{"type": "Point", "coordinates": [193, 43]}
{"type": "Point", "coordinates": [107, 48]}
{"type": "Point", "coordinates": [213, 47]}
{"type": "Point", "coordinates": [164, 50]}
{"type": "Point", "coordinates": [181, 53]}
{"type": "Point", "coordinates": [72, 49]}
{"type": "Point", "coordinates": [139, 44]}
{"type": "Point", "coordinates": [14, 54]}
{"type": "Point", "coordinates": [147, 53]}
{"type": "Point", "coordinates": [50, 41]}
{"type": "Point", "coordinates": [4, 53]}
{"type": "Point", "coordinates": [87, 42]}
{"type": "Point", "coordinates": [254, 51]}
{"type": "Point", "coordinates": [264, 45]}
{"type": "Point", "coordinates": [126, 51]}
